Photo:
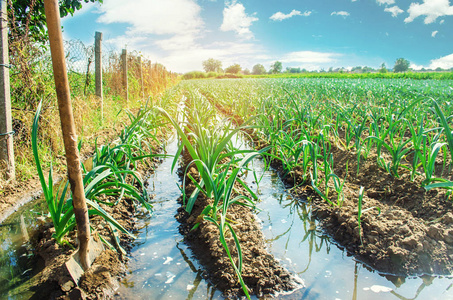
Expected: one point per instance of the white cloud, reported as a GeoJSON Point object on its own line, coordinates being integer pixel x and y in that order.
{"type": "Point", "coordinates": [279, 16]}
{"type": "Point", "coordinates": [416, 67]}
{"type": "Point", "coordinates": [340, 13]}
{"type": "Point", "coordinates": [434, 33]}
{"type": "Point", "coordinates": [154, 16]}
{"type": "Point", "coordinates": [432, 9]}
{"type": "Point", "coordinates": [394, 10]}
{"type": "Point", "coordinates": [172, 33]}
{"type": "Point", "coordinates": [387, 2]}
{"type": "Point", "coordinates": [236, 19]}
{"type": "Point", "coordinates": [228, 53]}
{"type": "Point", "coordinates": [445, 62]}
{"type": "Point", "coordinates": [441, 21]}
{"type": "Point", "coordinates": [310, 57]}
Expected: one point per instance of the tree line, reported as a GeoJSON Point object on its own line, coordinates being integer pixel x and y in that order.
{"type": "Point", "coordinates": [214, 65]}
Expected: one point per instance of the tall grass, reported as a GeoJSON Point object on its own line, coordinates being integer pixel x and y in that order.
{"type": "Point", "coordinates": [32, 82]}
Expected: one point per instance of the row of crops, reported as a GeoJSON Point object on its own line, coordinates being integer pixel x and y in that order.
{"type": "Point", "coordinates": [303, 119]}
{"type": "Point", "coordinates": [362, 147]}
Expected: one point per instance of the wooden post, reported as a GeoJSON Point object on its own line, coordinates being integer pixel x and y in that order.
{"type": "Point", "coordinates": [150, 84]}
{"type": "Point", "coordinates": [68, 128]}
{"type": "Point", "coordinates": [165, 76]}
{"type": "Point", "coordinates": [6, 128]}
{"type": "Point", "coordinates": [126, 87]}
{"type": "Point", "coordinates": [141, 76]}
{"type": "Point", "coordinates": [98, 70]}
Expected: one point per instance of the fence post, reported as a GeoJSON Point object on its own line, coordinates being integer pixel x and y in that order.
{"type": "Point", "coordinates": [6, 128]}
{"type": "Point", "coordinates": [126, 87]}
{"type": "Point", "coordinates": [141, 76]}
{"type": "Point", "coordinates": [150, 85]}
{"type": "Point", "coordinates": [98, 70]}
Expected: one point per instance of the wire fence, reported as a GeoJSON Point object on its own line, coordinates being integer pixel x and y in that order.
{"type": "Point", "coordinates": [32, 77]}
{"type": "Point", "coordinates": [31, 80]}
{"type": "Point", "coordinates": [144, 77]}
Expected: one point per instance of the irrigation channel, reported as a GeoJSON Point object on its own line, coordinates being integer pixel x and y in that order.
{"type": "Point", "coordinates": [162, 266]}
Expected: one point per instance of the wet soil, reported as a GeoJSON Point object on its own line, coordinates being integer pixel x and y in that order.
{"type": "Point", "coordinates": [101, 280]}
{"type": "Point", "coordinates": [412, 234]}
{"type": "Point", "coordinates": [262, 274]}
{"type": "Point", "coordinates": [53, 280]}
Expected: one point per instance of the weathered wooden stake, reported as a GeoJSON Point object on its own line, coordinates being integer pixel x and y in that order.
{"type": "Point", "coordinates": [125, 84]}
{"type": "Point", "coordinates": [6, 128]}
{"type": "Point", "coordinates": [68, 128]}
{"type": "Point", "coordinates": [141, 76]}
{"type": "Point", "coordinates": [150, 84]}
{"type": "Point", "coordinates": [98, 70]}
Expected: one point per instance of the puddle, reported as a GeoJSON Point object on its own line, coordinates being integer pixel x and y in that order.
{"type": "Point", "coordinates": [161, 266]}
{"type": "Point", "coordinates": [18, 263]}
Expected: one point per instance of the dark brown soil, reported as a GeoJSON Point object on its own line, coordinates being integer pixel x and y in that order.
{"type": "Point", "coordinates": [54, 281]}
{"type": "Point", "coordinates": [262, 274]}
{"type": "Point", "coordinates": [101, 280]}
{"type": "Point", "coordinates": [412, 235]}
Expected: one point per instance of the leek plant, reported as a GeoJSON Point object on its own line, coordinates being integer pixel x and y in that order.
{"type": "Point", "coordinates": [222, 194]}
{"type": "Point", "coordinates": [443, 121]}
{"type": "Point", "coordinates": [398, 147]}
{"type": "Point", "coordinates": [210, 146]}
{"type": "Point", "coordinates": [361, 211]}
{"type": "Point", "coordinates": [60, 203]}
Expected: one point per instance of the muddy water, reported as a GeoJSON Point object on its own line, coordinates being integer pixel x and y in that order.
{"type": "Point", "coordinates": [18, 263]}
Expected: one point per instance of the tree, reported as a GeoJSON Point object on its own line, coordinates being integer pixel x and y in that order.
{"type": "Point", "coordinates": [383, 68]}
{"type": "Point", "coordinates": [27, 17]}
{"type": "Point", "coordinates": [401, 65]}
{"type": "Point", "coordinates": [233, 69]}
{"type": "Point", "coordinates": [357, 69]}
{"type": "Point", "coordinates": [212, 65]}
{"type": "Point", "coordinates": [367, 69]}
{"type": "Point", "coordinates": [258, 69]}
{"type": "Point", "coordinates": [246, 72]}
{"type": "Point", "coordinates": [293, 70]}
{"type": "Point", "coordinates": [276, 67]}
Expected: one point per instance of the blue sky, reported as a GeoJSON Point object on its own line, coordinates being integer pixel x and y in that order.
{"type": "Point", "coordinates": [310, 34]}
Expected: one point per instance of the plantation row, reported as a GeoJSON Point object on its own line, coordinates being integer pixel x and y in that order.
{"type": "Point", "coordinates": [302, 119]}
{"type": "Point", "coordinates": [373, 157]}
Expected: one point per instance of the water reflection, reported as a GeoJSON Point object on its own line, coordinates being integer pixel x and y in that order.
{"type": "Point", "coordinates": [294, 237]}
{"type": "Point", "coordinates": [17, 257]}
{"type": "Point", "coordinates": [162, 266]}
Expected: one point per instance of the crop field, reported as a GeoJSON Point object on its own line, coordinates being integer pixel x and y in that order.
{"type": "Point", "coordinates": [360, 165]}
{"type": "Point", "coordinates": [372, 157]}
